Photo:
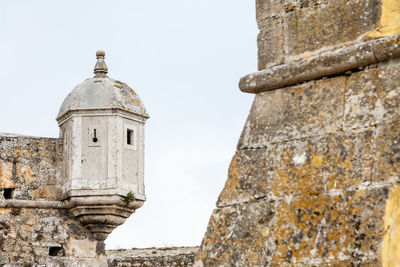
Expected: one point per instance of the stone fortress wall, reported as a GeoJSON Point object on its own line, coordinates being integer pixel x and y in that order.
{"type": "Point", "coordinates": [315, 178]}
{"type": "Point", "coordinates": [152, 257]}
{"type": "Point", "coordinates": [35, 228]}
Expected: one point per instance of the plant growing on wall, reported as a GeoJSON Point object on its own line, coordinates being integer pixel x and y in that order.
{"type": "Point", "coordinates": [128, 198]}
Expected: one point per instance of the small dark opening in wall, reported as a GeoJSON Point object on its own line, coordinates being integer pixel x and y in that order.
{"type": "Point", "coordinates": [129, 135]}
{"type": "Point", "coordinates": [94, 136]}
{"type": "Point", "coordinates": [8, 193]}
{"type": "Point", "coordinates": [56, 251]}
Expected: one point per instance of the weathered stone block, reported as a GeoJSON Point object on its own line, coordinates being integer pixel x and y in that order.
{"type": "Point", "coordinates": [236, 231]}
{"type": "Point", "coordinates": [311, 109]}
{"type": "Point", "coordinates": [270, 44]}
{"type": "Point", "coordinates": [338, 21]}
{"type": "Point", "coordinates": [320, 229]}
{"type": "Point", "coordinates": [31, 166]}
{"type": "Point", "coordinates": [372, 97]}
{"type": "Point", "coordinates": [152, 257]}
{"type": "Point", "coordinates": [246, 177]}
{"type": "Point", "coordinates": [268, 8]}
{"type": "Point", "coordinates": [386, 168]}
{"type": "Point", "coordinates": [30, 234]}
{"type": "Point", "coordinates": [277, 8]}
{"type": "Point", "coordinates": [6, 174]}
{"type": "Point", "coordinates": [305, 167]}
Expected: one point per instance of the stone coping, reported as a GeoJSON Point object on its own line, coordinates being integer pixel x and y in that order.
{"type": "Point", "coordinates": [32, 204]}
{"type": "Point", "coordinates": [70, 203]}
{"type": "Point", "coordinates": [151, 252]}
{"type": "Point", "coordinates": [325, 64]}
{"type": "Point", "coordinates": [15, 135]}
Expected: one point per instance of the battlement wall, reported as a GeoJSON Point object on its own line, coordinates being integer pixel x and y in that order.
{"type": "Point", "coordinates": [35, 228]}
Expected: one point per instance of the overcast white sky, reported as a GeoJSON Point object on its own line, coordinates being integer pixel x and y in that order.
{"type": "Point", "coordinates": [183, 57]}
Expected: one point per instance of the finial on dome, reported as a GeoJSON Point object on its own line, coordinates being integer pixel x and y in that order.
{"type": "Point", "coordinates": [100, 70]}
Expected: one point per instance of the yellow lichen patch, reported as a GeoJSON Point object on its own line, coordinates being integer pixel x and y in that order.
{"type": "Point", "coordinates": [6, 174]}
{"type": "Point", "coordinates": [48, 192]}
{"type": "Point", "coordinates": [317, 160]}
{"type": "Point", "coordinates": [132, 91]}
{"type": "Point", "coordinates": [324, 225]}
{"type": "Point", "coordinates": [133, 100]}
{"type": "Point", "coordinates": [302, 179]}
{"type": "Point", "coordinates": [228, 194]}
{"type": "Point", "coordinates": [390, 20]}
{"type": "Point", "coordinates": [391, 239]}
{"type": "Point", "coordinates": [118, 86]}
{"type": "Point", "coordinates": [26, 173]}
{"type": "Point", "coordinates": [4, 211]}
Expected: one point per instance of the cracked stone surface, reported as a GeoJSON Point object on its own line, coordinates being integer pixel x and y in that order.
{"type": "Point", "coordinates": [315, 177]}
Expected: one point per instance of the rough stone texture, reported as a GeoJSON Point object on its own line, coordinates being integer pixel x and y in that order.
{"type": "Point", "coordinates": [372, 98]}
{"type": "Point", "coordinates": [310, 182]}
{"type": "Point", "coordinates": [270, 42]}
{"type": "Point", "coordinates": [315, 178]}
{"type": "Point", "coordinates": [30, 167]}
{"type": "Point", "coordinates": [328, 63]}
{"type": "Point", "coordinates": [311, 26]}
{"type": "Point", "coordinates": [296, 27]}
{"type": "Point", "coordinates": [299, 111]}
{"type": "Point", "coordinates": [152, 257]}
{"type": "Point", "coordinates": [30, 171]}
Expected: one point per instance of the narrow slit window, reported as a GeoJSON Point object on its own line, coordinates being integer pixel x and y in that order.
{"type": "Point", "coordinates": [8, 193]}
{"type": "Point", "coordinates": [94, 136]}
{"type": "Point", "coordinates": [129, 137]}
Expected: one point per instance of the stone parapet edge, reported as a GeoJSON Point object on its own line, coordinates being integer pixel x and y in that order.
{"type": "Point", "coordinates": [68, 204]}
{"type": "Point", "coordinates": [32, 204]}
{"type": "Point", "coordinates": [326, 64]}
{"type": "Point", "coordinates": [134, 253]}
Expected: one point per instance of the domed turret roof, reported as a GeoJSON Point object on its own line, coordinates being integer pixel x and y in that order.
{"type": "Point", "coordinates": [102, 92]}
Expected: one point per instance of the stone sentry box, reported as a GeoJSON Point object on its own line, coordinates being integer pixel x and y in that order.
{"type": "Point", "coordinates": [102, 126]}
